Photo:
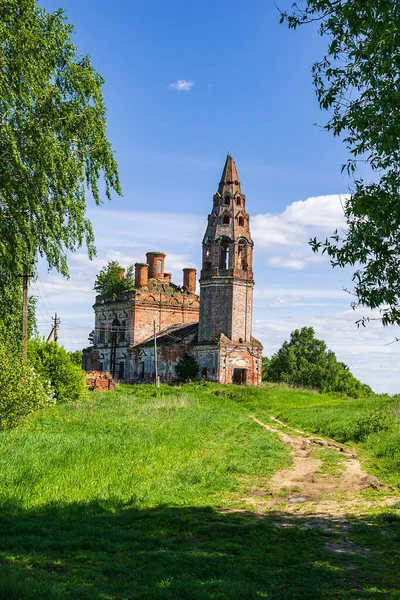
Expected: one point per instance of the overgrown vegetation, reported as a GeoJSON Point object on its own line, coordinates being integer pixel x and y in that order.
{"type": "Point", "coordinates": [113, 280]}
{"type": "Point", "coordinates": [76, 357]}
{"type": "Point", "coordinates": [305, 361]}
{"type": "Point", "coordinates": [48, 376]}
{"type": "Point", "coordinates": [22, 390]}
{"type": "Point", "coordinates": [55, 365]}
{"type": "Point", "coordinates": [144, 494]}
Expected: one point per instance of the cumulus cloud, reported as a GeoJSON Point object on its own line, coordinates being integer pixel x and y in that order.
{"type": "Point", "coordinates": [299, 221]}
{"type": "Point", "coordinates": [182, 85]}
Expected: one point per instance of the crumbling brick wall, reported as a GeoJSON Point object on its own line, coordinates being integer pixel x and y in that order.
{"type": "Point", "coordinates": [100, 382]}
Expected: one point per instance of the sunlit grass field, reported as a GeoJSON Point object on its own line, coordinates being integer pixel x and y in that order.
{"type": "Point", "coordinates": [142, 494]}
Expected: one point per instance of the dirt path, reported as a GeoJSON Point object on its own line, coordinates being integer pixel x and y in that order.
{"type": "Point", "coordinates": [309, 488]}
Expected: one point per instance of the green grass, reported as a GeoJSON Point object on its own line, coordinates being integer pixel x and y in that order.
{"type": "Point", "coordinates": [135, 494]}
{"type": "Point", "coordinates": [177, 448]}
{"type": "Point", "coordinates": [332, 462]}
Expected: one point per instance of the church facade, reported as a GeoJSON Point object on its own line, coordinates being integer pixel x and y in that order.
{"type": "Point", "coordinates": [215, 328]}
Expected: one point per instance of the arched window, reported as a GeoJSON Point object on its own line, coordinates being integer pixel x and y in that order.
{"type": "Point", "coordinates": [159, 266]}
{"type": "Point", "coordinates": [238, 201]}
{"type": "Point", "coordinates": [227, 200]}
{"type": "Point", "coordinates": [241, 221]}
{"type": "Point", "coordinates": [224, 257]}
{"type": "Point", "coordinates": [225, 220]}
{"type": "Point", "coordinates": [242, 255]}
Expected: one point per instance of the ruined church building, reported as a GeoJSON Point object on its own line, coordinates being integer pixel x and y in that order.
{"type": "Point", "coordinates": [215, 328]}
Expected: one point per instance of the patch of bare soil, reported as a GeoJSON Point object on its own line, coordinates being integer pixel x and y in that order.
{"type": "Point", "coordinates": [303, 488]}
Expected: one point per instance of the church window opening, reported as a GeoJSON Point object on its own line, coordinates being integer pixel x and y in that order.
{"type": "Point", "coordinates": [102, 334]}
{"type": "Point", "coordinates": [204, 373]}
{"type": "Point", "coordinates": [159, 266]}
{"type": "Point", "coordinates": [225, 220]}
{"type": "Point", "coordinates": [238, 201]}
{"type": "Point", "coordinates": [242, 256]}
{"type": "Point", "coordinates": [224, 259]}
{"type": "Point", "coordinates": [227, 200]}
{"type": "Point", "coordinates": [241, 221]}
{"type": "Point", "coordinates": [121, 370]}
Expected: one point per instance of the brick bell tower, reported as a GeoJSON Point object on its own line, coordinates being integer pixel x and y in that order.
{"type": "Point", "coordinates": [226, 282]}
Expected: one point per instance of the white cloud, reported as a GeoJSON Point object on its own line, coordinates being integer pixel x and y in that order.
{"type": "Point", "coordinates": [325, 212]}
{"type": "Point", "coordinates": [182, 85]}
{"type": "Point", "coordinates": [299, 221]}
{"type": "Point", "coordinates": [295, 262]}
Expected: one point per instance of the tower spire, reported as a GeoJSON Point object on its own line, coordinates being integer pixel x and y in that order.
{"type": "Point", "coordinates": [229, 174]}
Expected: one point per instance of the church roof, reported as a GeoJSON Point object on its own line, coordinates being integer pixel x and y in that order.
{"type": "Point", "coordinates": [229, 174]}
{"type": "Point", "coordinates": [173, 335]}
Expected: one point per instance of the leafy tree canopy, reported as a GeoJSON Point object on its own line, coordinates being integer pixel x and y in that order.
{"type": "Point", "coordinates": [112, 281]}
{"type": "Point", "coordinates": [306, 361]}
{"type": "Point", "coordinates": [53, 144]}
{"type": "Point", "coordinates": [358, 82]}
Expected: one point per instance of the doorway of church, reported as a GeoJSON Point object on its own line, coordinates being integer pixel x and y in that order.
{"type": "Point", "coordinates": [239, 376]}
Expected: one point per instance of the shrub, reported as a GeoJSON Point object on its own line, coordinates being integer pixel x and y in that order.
{"type": "Point", "coordinates": [76, 357]}
{"type": "Point", "coordinates": [22, 390]}
{"type": "Point", "coordinates": [186, 367]}
{"type": "Point", "coordinates": [54, 363]}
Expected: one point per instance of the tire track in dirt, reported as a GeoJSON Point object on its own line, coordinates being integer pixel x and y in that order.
{"type": "Point", "coordinates": [304, 487]}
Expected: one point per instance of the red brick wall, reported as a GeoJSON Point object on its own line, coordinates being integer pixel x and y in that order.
{"type": "Point", "coordinates": [164, 309]}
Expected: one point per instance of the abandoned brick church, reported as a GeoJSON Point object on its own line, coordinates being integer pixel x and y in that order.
{"type": "Point", "coordinates": [214, 328]}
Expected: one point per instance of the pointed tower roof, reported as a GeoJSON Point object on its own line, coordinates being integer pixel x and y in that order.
{"type": "Point", "coordinates": [229, 174]}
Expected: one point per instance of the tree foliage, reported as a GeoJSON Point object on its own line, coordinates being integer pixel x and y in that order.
{"type": "Point", "coordinates": [22, 390]}
{"type": "Point", "coordinates": [265, 367]}
{"type": "Point", "coordinates": [306, 361]}
{"type": "Point", "coordinates": [358, 82]}
{"type": "Point", "coordinates": [112, 281]}
{"type": "Point", "coordinates": [53, 143]}
{"type": "Point", "coordinates": [54, 364]}
{"type": "Point", "coordinates": [186, 367]}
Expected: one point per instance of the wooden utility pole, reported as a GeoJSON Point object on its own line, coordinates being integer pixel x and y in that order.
{"type": "Point", "coordinates": [156, 380]}
{"type": "Point", "coordinates": [56, 326]}
{"type": "Point", "coordinates": [54, 329]}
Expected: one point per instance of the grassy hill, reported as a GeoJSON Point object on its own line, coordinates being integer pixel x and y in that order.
{"type": "Point", "coordinates": [146, 494]}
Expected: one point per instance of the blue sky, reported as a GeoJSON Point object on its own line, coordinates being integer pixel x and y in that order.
{"type": "Point", "coordinates": [247, 90]}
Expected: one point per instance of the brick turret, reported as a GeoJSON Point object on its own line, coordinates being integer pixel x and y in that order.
{"type": "Point", "coordinates": [155, 260]}
{"type": "Point", "coordinates": [189, 280]}
{"type": "Point", "coordinates": [141, 275]}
